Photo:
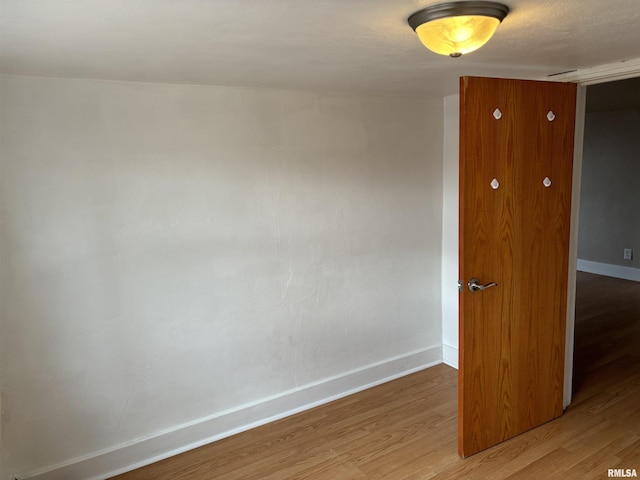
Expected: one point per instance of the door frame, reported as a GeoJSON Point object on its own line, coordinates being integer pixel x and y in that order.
{"type": "Point", "coordinates": [584, 77]}
{"type": "Point", "coordinates": [581, 102]}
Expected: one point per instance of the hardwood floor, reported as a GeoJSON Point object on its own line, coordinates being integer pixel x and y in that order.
{"type": "Point", "coordinates": [407, 429]}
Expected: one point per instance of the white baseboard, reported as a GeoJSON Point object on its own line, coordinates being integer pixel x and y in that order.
{"type": "Point", "coordinates": [450, 355]}
{"type": "Point", "coordinates": [200, 432]}
{"type": "Point", "coordinates": [618, 271]}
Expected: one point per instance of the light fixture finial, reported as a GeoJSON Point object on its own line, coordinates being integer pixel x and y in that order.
{"type": "Point", "coordinates": [456, 28]}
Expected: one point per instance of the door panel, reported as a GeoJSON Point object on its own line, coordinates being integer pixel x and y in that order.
{"type": "Point", "coordinates": [512, 336]}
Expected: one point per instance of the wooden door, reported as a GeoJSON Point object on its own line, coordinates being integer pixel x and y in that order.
{"type": "Point", "coordinates": [516, 157]}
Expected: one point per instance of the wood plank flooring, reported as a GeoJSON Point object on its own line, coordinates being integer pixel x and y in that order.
{"type": "Point", "coordinates": [407, 429]}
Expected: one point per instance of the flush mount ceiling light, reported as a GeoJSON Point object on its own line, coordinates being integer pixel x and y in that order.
{"type": "Point", "coordinates": [456, 28]}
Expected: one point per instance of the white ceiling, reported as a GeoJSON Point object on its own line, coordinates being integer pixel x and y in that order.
{"type": "Point", "coordinates": [346, 45]}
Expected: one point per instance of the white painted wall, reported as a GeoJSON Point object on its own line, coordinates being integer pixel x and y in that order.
{"type": "Point", "coordinates": [450, 186]}
{"type": "Point", "coordinates": [183, 262]}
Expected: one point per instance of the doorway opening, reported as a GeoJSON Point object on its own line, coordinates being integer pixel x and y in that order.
{"type": "Point", "coordinates": [607, 313]}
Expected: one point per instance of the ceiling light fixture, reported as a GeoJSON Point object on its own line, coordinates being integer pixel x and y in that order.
{"type": "Point", "coordinates": [456, 28]}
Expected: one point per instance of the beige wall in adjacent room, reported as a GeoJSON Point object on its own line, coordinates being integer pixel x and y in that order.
{"type": "Point", "coordinates": [609, 219]}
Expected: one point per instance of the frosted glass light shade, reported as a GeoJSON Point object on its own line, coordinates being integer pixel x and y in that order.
{"type": "Point", "coordinates": [455, 36]}
{"type": "Point", "coordinates": [456, 28]}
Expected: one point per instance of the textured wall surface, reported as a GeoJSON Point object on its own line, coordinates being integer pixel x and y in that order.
{"type": "Point", "coordinates": [609, 219]}
{"type": "Point", "coordinates": [171, 252]}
